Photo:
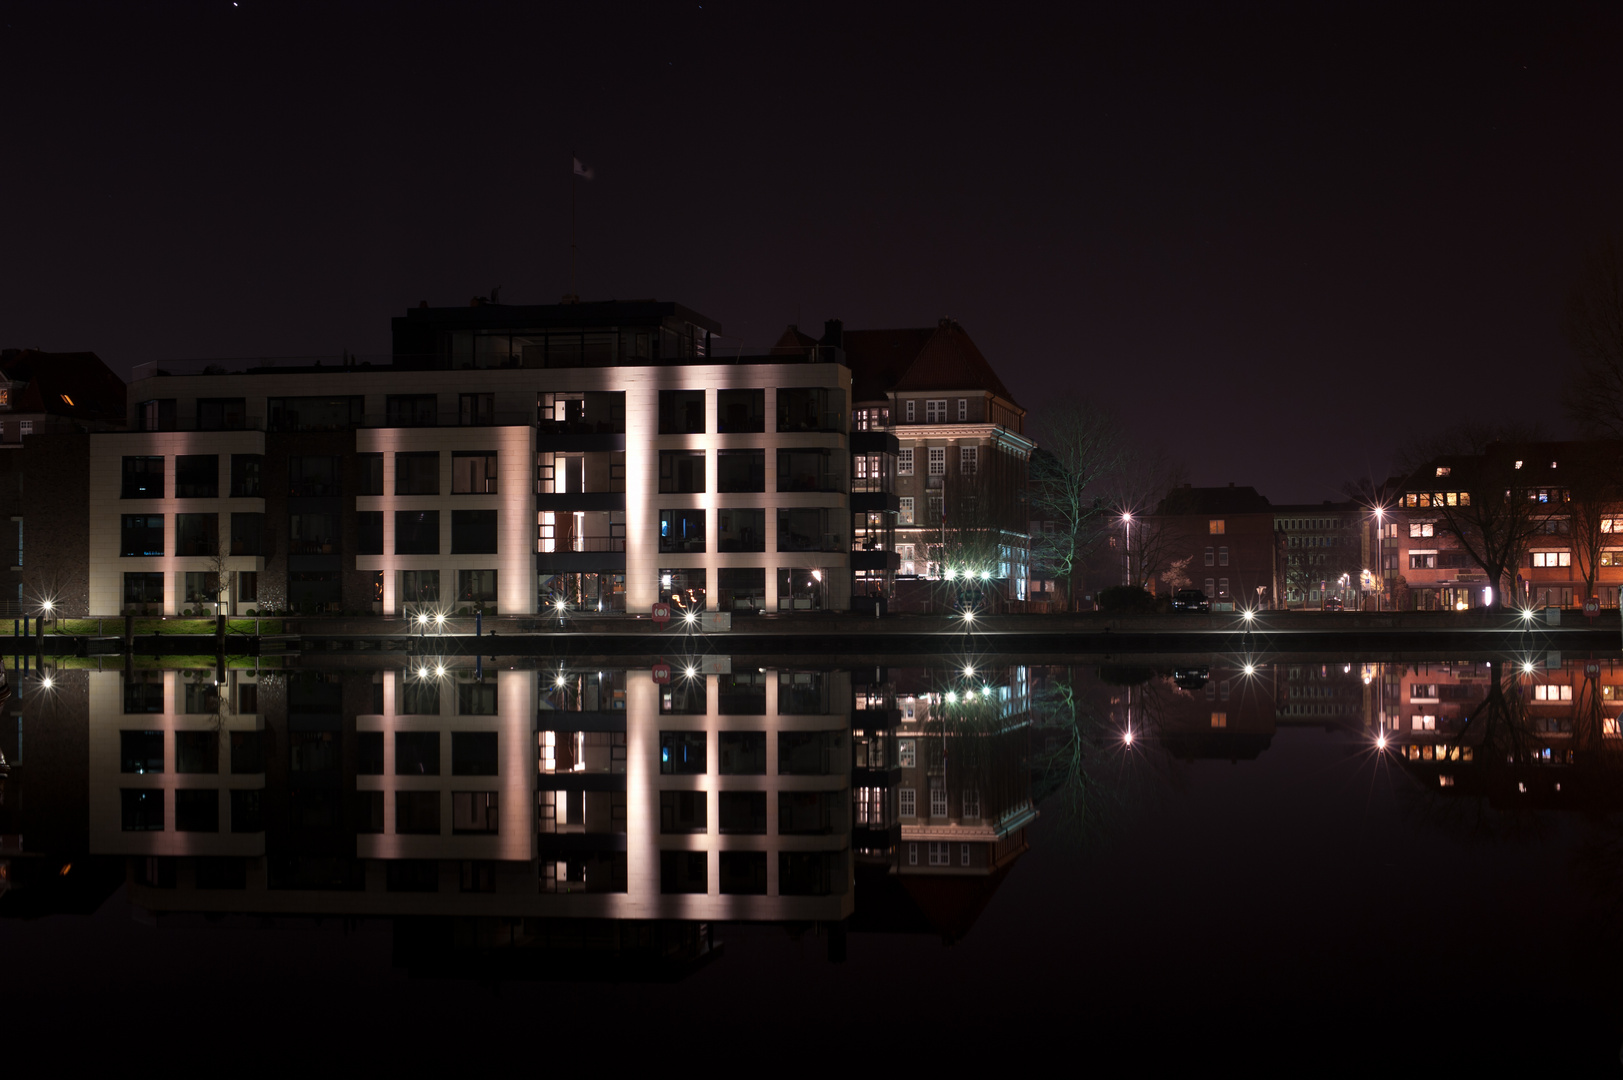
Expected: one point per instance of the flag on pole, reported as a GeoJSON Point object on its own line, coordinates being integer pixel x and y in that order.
{"type": "Point", "coordinates": [582, 171]}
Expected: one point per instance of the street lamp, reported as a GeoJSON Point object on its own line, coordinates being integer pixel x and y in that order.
{"type": "Point", "coordinates": [1127, 525]}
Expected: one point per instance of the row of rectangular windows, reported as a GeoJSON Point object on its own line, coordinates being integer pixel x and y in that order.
{"type": "Point", "coordinates": [968, 460]}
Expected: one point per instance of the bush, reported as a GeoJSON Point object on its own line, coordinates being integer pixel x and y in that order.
{"type": "Point", "coordinates": [1126, 600]}
{"type": "Point", "coordinates": [251, 611]}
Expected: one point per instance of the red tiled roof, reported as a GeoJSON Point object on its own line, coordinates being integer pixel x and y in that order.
{"type": "Point", "coordinates": [76, 385]}
{"type": "Point", "coordinates": [942, 358]}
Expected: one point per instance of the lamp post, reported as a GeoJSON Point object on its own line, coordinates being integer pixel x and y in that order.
{"type": "Point", "coordinates": [1380, 553]}
{"type": "Point", "coordinates": [1127, 569]}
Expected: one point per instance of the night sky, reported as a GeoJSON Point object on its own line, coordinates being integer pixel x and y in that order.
{"type": "Point", "coordinates": [1280, 241]}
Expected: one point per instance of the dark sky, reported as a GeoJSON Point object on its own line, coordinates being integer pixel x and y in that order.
{"type": "Point", "coordinates": [1280, 240]}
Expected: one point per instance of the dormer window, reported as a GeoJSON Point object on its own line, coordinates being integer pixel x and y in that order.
{"type": "Point", "coordinates": [1444, 470]}
{"type": "Point", "coordinates": [1552, 464]}
{"type": "Point", "coordinates": [1518, 464]}
{"type": "Point", "coordinates": [66, 399]}
{"type": "Point", "coordinates": [5, 397]}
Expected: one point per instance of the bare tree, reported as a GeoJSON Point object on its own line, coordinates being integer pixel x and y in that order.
{"type": "Point", "coordinates": [1082, 449]}
{"type": "Point", "coordinates": [1144, 481]}
{"type": "Point", "coordinates": [1594, 326]}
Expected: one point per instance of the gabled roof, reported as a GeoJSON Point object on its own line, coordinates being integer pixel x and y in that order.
{"type": "Point", "coordinates": [1214, 500]}
{"type": "Point", "coordinates": [76, 385]}
{"type": "Point", "coordinates": [793, 342]}
{"type": "Point", "coordinates": [923, 359]}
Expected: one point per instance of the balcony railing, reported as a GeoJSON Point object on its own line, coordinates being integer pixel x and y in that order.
{"type": "Point", "coordinates": [583, 543]}
{"type": "Point", "coordinates": [189, 423]}
{"type": "Point", "coordinates": [500, 418]}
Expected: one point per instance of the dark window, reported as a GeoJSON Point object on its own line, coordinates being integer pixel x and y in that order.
{"type": "Point", "coordinates": [369, 753]}
{"type": "Point", "coordinates": [141, 534]}
{"type": "Point", "coordinates": [247, 698]}
{"type": "Point", "coordinates": [474, 812]}
{"type": "Point", "coordinates": [370, 467]}
{"type": "Point", "coordinates": [743, 873]}
{"type": "Point", "coordinates": [245, 473]}
{"type": "Point", "coordinates": [313, 755]}
{"type": "Point", "coordinates": [803, 693]}
{"type": "Point", "coordinates": [417, 586]}
{"type": "Point", "coordinates": [369, 532]}
{"type": "Point", "coordinates": [806, 528]}
{"type": "Point", "coordinates": [740, 470]}
{"type": "Point", "coordinates": [141, 809]}
{"type": "Point", "coordinates": [156, 415]}
{"type": "Point", "coordinates": [473, 472]}
{"type": "Point", "coordinates": [477, 409]}
{"type": "Point", "coordinates": [369, 811]}
{"type": "Point", "coordinates": [743, 588]}
{"type": "Point", "coordinates": [202, 587]}
{"type": "Point", "coordinates": [807, 470]}
{"type": "Point", "coordinates": [312, 534]}
{"type": "Point", "coordinates": [247, 813]}
{"type": "Point", "coordinates": [417, 473]}
{"type": "Point", "coordinates": [197, 476]}
{"type": "Point", "coordinates": [417, 697]}
{"type": "Point", "coordinates": [743, 812]}
{"type": "Point", "coordinates": [476, 699]}
{"type": "Point", "coordinates": [412, 410]}
{"type": "Point", "coordinates": [811, 409]}
{"type": "Point", "coordinates": [473, 532]}
{"type": "Point", "coordinates": [684, 872]}
{"type": "Point", "coordinates": [417, 532]}
{"type": "Point", "coordinates": [201, 698]}
{"type": "Point", "coordinates": [247, 535]}
{"type": "Point", "coordinates": [222, 414]}
{"type": "Point", "coordinates": [197, 810]}
{"type": "Point", "coordinates": [143, 694]}
{"type": "Point", "coordinates": [247, 585]}
{"type": "Point", "coordinates": [741, 530]}
{"type": "Point", "coordinates": [800, 590]}
{"type": "Point", "coordinates": [681, 412]}
{"type": "Point", "coordinates": [476, 586]}
{"type": "Point", "coordinates": [741, 410]}
{"type": "Point", "coordinates": [682, 753]}
{"type": "Point", "coordinates": [417, 753]}
{"type": "Point", "coordinates": [743, 753]}
{"type": "Point", "coordinates": [742, 693]}
{"type": "Point", "coordinates": [683, 811]}
{"type": "Point", "coordinates": [315, 413]}
{"type": "Point", "coordinates": [413, 875]}
{"type": "Point", "coordinates": [809, 753]}
{"type": "Point", "coordinates": [141, 751]}
{"type": "Point", "coordinates": [473, 753]}
{"type": "Point", "coordinates": [144, 588]}
{"type": "Point", "coordinates": [312, 475]}
{"type": "Point", "coordinates": [681, 471]}
{"type": "Point", "coordinates": [197, 751]}
{"type": "Point", "coordinates": [417, 812]}
{"type": "Point", "coordinates": [478, 876]}
{"type": "Point", "coordinates": [685, 696]}
{"type": "Point", "coordinates": [247, 752]}
{"type": "Point", "coordinates": [143, 478]}
{"type": "Point", "coordinates": [681, 531]}
{"type": "Point", "coordinates": [197, 534]}
{"type": "Point", "coordinates": [582, 413]}
{"type": "Point", "coordinates": [807, 812]}
{"type": "Point", "coordinates": [810, 873]}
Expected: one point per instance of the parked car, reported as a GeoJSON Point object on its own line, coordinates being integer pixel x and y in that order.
{"type": "Point", "coordinates": [1191, 600]}
{"type": "Point", "coordinates": [1333, 603]}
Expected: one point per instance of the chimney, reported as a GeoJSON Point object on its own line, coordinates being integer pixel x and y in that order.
{"type": "Point", "coordinates": [422, 303]}
{"type": "Point", "coordinates": [833, 333]}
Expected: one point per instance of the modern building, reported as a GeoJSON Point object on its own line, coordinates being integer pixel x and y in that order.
{"type": "Point", "coordinates": [1322, 550]}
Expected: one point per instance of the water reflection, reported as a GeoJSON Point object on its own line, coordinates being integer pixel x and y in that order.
{"type": "Point", "coordinates": [533, 817]}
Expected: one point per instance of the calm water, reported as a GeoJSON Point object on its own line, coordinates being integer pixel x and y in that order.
{"type": "Point", "coordinates": [1311, 860]}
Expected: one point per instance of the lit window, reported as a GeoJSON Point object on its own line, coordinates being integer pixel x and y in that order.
{"type": "Point", "coordinates": [1423, 723]}
{"type": "Point", "coordinates": [69, 400]}
{"type": "Point", "coordinates": [904, 515]}
{"type": "Point", "coordinates": [1215, 526]}
{"type": "Point", "coordinates": [1220, 719]}
{"type": "Point", "coordinates": [1421, 528]}
{"type": "Point", "coordinates": [907, 754]}
{"type": "Point", "coordinates": [904, 461]}
{"type": "Point", "coordinates": [968, 459]}
{"type": "Point", "coordinates": [1552, 558]}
